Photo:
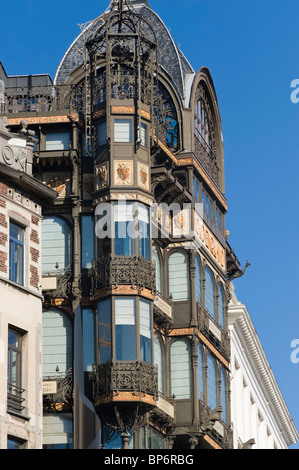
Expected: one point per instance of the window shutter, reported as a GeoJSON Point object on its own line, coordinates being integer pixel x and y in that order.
{"type": "Point", "coordinates": [122, 131]}
{"type": "Point", "coordinates": [145, 319]}
{"type": "Point", "coordinates": [178, 276]}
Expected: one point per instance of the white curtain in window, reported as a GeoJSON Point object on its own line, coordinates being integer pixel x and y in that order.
{"type": "Point", "coordinates": [124, 312]}
{"type": "Point", "coordinates": [57, 343]}
{"type": "Point", "coordinates": [145, 318]}
{"type": "Point", "coordinates": [178, 276]}
{"type": "Point", "coordinates": [56, 243]}
{"type": "Point", "coordinates": [123, 130]}
{"type": "Point", "coordinates": [57, 141]}
{"type": "Point", "coordinates": [180, 370]}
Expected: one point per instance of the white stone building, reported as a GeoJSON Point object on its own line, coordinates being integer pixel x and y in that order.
{"type": "Point", "coordinates": [260, 417]}
{"type": "Point", "coordinates": [21, 200]}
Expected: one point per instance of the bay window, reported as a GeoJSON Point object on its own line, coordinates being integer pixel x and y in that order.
{"type": "Point", "coordinates": [125, 329]}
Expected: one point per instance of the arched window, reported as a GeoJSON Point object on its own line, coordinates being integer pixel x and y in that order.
{"type": "Point", "coordinates": [157, 262]}
{"type": "Point", "coordinates": [57, 245]}
{"type": "Point", "coordinates": [212, 382]}
{"type": "Point", "coordinates": [197, 279]}
{"type": "Point", "coordinates": [57, 343]}
{"type": "Point", "coordinates": [180, 370]}
{"type": "Point", "coordinates": [209, 292]}
{"type": "Point", "coordinates": [223, 394]}
{"type": "Point", "coordinates": [178, 276]}
{"type": "Point", "coordinates": [159, 361]}
{"type": "Point", "coordinates": [200, 373]}
{"type": "Point", "coordinates": [201, 125]}
{"type": "Point", "coordinates": [221, 310]}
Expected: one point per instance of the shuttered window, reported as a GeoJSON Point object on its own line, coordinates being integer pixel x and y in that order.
{"type": "Point", "coordinates": [158, 355]}
{"type": "Point", "coordinates": [57, 343]}
{"type": "Point", "coordinates": [209, 292]}
{"type": "Point", "coordinates": [156, 261]}
{"type": "Point", "coordinates": [123, 131]}
{"type": "Point", "coordinates": [56, 242]}
{"type": "Point", "coordinates": [178, 276]}
{"type": "Point", "coordinates": [58, 141]}
{"type": "Point", "coordinates": [180, 370]}
{"type": "Point", "coordinates": [212, 383]}
{"type": "Point", "coordinates": [125, 329]}
{"type": "Point", "coordinates": [221, 306]}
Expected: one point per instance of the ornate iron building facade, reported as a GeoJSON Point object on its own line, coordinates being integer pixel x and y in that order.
{"type": "Point", "coordinates": [136, 264]}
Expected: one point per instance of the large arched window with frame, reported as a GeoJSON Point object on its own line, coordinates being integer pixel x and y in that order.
{"type": "Point", "coordinates": [209, 292]}
{"type": "Point", "coordinates": [166, 118]}
{"type": "Point", "coordinates": [180, 370]}
{"type": "Point", "coordinates": [178, 269]}
{"type": "Point", "coordinates": [201, 125]}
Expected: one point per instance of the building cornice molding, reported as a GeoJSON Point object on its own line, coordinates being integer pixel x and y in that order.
{"type": "Point", "coordinates": [239, 319]}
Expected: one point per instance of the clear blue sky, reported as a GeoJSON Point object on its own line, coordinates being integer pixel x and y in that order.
{"type": "Point", "coordinates": [251, 49]}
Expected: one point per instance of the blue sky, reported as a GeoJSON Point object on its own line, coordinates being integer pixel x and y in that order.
{"type": "Point", "coordinates": [251, 49]}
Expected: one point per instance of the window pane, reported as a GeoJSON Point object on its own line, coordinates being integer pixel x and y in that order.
{"type": "Point", "coordinates": [145, 331]}
{"type": "Point", "coordinates": [209, 285]}
{"type": "Point", "coordinates": [143, 134]}
{"type": "Point", "coordinates": [87, 241]}
{"type": "Point", "coordinates": [124, 230]}
{"type": "Point", "coordinates": [125, 329]}
{"type": "Point", "coordinates": [223, 395]}
{"type": "Point", "coordinates": [178, 277]}
{"type": "Point", "coordinates": [197, 279]}
{"type": "Point", "coordinates": [58, 141]}
{"type": "Point", "coordinates": [88, 339]}
{"type": "Point", "coordinates": [57, 431]}
{"type": "Point", "coordinates": [200, 373]}
{"type": "Point", "coordinates": [180, 370]}
{"type": "Point", "coordinates": [123, 130]}
{"type": "Point", "coordinates": [56, 242]}
{"type": "Point", "coordinates": [104, 331]}
{"type": "Point", "coordinates": [144, 231]}
{"type": "Point", "coordinates": [158, 355]}
{"type": "Point", "coordinates": [212, 383]}
{"type": "Point", "coordinates": [102, 133]}
{"type": "Point", "coordinates": [156, 260]}
{"type": "Point", "coordinates": [16, 253]}
{"type": "Point", "coordinates": [221, 306]}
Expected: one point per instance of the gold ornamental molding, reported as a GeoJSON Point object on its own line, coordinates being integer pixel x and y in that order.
{"type": "Point", "coordinates": [181, 331]}
{"type": "Point", "coordinates": [125, 397]}
{"type": "Point", "coordinates": [212, 442]}
{"type": "Point", "coordinates": [124, 290]}
{"type": "Point", "coordinates": [44, 119]}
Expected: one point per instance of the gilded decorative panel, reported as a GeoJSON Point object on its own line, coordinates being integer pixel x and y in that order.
{"type": "Point", "coordinates": [123, 173]}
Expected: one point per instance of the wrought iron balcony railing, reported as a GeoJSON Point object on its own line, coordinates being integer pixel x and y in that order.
{"type": "Point", "coordinates": [46, 99]}
{"type": "Point", "coordinates": [218, 337]}
{"type": "Point", "coordinates": [58, 389]}
{"type": "Point", "coordinates": [15, 398]}
{"type": "Point", "coordinates": [113, 271]}
{"type": "Point", "coordinates": [115, 377]}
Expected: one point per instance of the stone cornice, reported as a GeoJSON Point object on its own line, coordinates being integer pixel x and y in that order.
{"type": "Point", "coordinates": [240, 320]}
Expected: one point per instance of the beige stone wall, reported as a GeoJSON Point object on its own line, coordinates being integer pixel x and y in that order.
{"type": "Point", "coordinates": [21, 308]}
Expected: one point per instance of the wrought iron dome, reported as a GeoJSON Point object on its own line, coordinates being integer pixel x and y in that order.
{"type": "Point", "coordinates": [170, 58]}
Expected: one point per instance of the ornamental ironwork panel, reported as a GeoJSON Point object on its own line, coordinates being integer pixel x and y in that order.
{"type": "Point", "coordinates": [123, 270]}
{"type": "Point", "coordinates": [222, 343]}
{"type": "Point", "coordinates": [46, 99]}
{"type": "Point", "coordinates": [125, 376]}
{"type": "Point", "coordinates": [64, 388]}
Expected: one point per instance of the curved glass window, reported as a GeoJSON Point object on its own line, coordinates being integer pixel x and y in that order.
{"type": "Point", "coordinates": [212, 382]}
{"type": "Point", "coordinates": [158, 355]}
{"type": "Point", "coordinates": [57, 245]}
{"type": "Point", "coordinates": [209, 292]}
{"type": "Point", "coordinates": [166, 118]}
{"type": "Point", "coordinates": [57, 343]}
{"type": "Point", "coordinates": [178, 276]}
{"type": "Point", "coordinates": [221, 306]}
{"type": "Point", "coordinates": [180, 370]}
{"type": "Point", "coordinates": [124, 229]}
{"type": "Point", "coordinates": [200, 373]}
{"type": "Point", "coordinates": [197, 279]}
{"type": "Point", "coordinates": [144, 231]}
{"type": "Point", "coordinates": [201, 125]}
{"type": "Point", "coordinates": [156, 260]}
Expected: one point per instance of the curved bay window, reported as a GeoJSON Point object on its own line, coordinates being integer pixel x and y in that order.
{"type": "Point", "coordinates": [157, 263]}
{"type": "Point", "coordinates": [178, 266]}
{"type": "Point", "coordinates": [201, 126]}
{"type": "Point", "coordinates": [167, 126]}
